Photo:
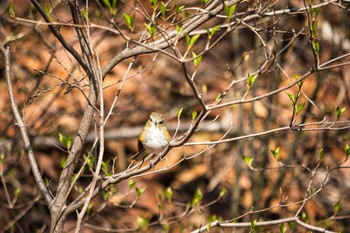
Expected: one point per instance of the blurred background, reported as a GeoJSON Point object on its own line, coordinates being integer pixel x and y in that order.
{"type": "Point", "coordinates": [49, 87]}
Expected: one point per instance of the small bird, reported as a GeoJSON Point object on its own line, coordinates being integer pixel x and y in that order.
{"type": "Point", "coordinates": [153, 138]}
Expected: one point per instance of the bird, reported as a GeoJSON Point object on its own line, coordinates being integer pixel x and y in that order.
{"type": "Point", "coordinates": [153, 139]}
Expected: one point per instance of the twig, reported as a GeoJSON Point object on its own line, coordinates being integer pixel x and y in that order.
{"type": "Point", "coordinates": [32, 161]}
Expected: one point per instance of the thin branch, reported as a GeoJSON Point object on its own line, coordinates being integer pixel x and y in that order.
{"type": "Point", "coordinates": [32, 161]}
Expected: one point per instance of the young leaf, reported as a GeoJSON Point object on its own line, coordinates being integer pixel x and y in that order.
{"type": "Point", "coordinates": [299, 107]}
{"type": "Point", "coordinates": [90, 160]}
{"type": "Point", "coordinates": [151, 29]}
{"type": "Point", "coordinates": [230, 10]}
{"type": "Point", "coordinates": [139, 191]}
{"type": "Point", "coordinates": [85, 13]}
{"type": "Point", "coordinates": [222, 193]}
{"type": "Point", "coordinates": [283, 228]}
{"type": "Point", "coordinates": [321, 154]}
{"type": "Point", "coordinates": [11, 10]}
{"type": "Point", "coordinates": [66, 140]}
{"type": "Point", "coordinates": [211, 218]}
{"type": "Point", "coordinates": [109, 6]}
{"type": "Point", "coordinates": [89, 208]}
{"type": "Point", "coordinates": [178, 29]}
{"type": "Point", "coordinates": [316, 47]}
{"type": "Point", "coordinates": [179, 112]}
{"type": "Point", "coordinates": [336, 207]}
{"type": "Point", "coordinates": [211, 31]}
{"type": "Point", "coordinates": [163, 9]}
{"type": "Point", "coordinates": [129, 20]}
{"type": "Point", "coordinates": [191, 40]}
{"type": "Point", "coordinates": [253, 225]}
{"type": "Point", "coordinates": [304, 217]}
{"type": "Point", "coordinates": [194, 115]}
{"type": "Point", "coordinates": [198, 196]}
{"type": "Point", "coordinates": [347, 152]}
{"type": "Point", "coordinates": [276, 153]}
{"type": "Point", "coordinates": [168, 194]}
{"type": "Point", "coordinates": [197, 59]}
{"type": "Point", "coordinates": [251, 80]}
{"type": "Point", "coordinates": [340, 111]}
{"type": "Point", "coordinates": [153, 3]}
{"type": "Point", "coordinates": [179, 8]}
{"type": "Point", "coordinates": [63, 162]}
{"type": "Point", "coordinates": [142, 222]}
{"type": "Point", "coordinates": [248, 160]}
{"type": "Point", "coordinates": [105, 195]}
{"type": "Point", "coordinates": [291, 97]}
{"type": "Point", "coordinates": [17, 192]}
{"type": "Point", "coordinates": [131, 184]}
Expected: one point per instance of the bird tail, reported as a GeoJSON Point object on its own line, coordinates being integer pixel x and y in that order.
{"type": "Point", "coordinates": [139, 155]}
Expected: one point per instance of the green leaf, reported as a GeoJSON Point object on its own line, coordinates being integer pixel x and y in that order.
{"type": "Point", "coordinates": [12, 12]}
{"type": "Point", "coordinates": [168, 194]}
{"type": "Point", "coordinates": [340, 111]}
{"type": "Point", "coordinates": [347, 152]}
{"type": "Point", "coordinates": [153, 3]}
{"type": "Point", "coordinates": [179, 112]}
{"type": "Point", "coordinates": [283, 228]}
{"type": "Point", "coordinates": [105, 195]}
{"type": "Point", "coordinates": [47, 9]}
{"type": "Point", "coordinates": [17, 192]}
{"type": "Point", "coordinates": [63, 162]}
{"type": "Point", "coordinates": [194, 115]}
{"type": "Point", "coordinates": [248, 160]}
{"type": "Point", "coordinates": [163, 9]}
{"type": "Point", "coordinates": [316, 47]}
{"type": "Point", "coordinates": [178, 29]}
{"type": "Point", "coordinates": [205, 1]}
{"type": "Point", "coordinates": [104, 167]}
{"type": "Point", "coordinates": [253, 224]}
{"type": "Point", "coordinates": [212, 218]}
{"type": "Point", "coordinates": [304, 217]}
{"type": "Point", "coordinates": [178, 9]}
{"type": "Point", "coordinates": [191, 40]}
{"type": "Point", "coordinates": [151, 29]}
{"type": "Point", "coordinates": [299, 107]}
{"type": "Point", "coordinates": [336, 207]}
{"type": "Point", "coordinates": [142, 222]}
{"type": "Point", "coordinates": [66, 140]}
{"type": "Point", "coordinates": [321, 154]}
{"type": "Point", "coordinates": [276, 153]}
{"type": "Point", "coordinates": [108, 5]}
{"type": "Point", "coordinates": [198, 196]}
{"type": "Point", "coordinates": [251, 80]}
{"type": "Point", "coordinates": [197, 59]}
{"type": "Point", "coordinates": [139, 191]}
{"type": "Point", "coordinates": [314, 12]}
{"type": "Point", "coordinates": [230, 10]}
{"type": "Point", "coordinates": [89, 208]}
{"type": "Point", "coordinates": [129, 20]}
{"type": "Point", "coordinates": [85, 13]}
{"type": "Point", "coordinates": [313, 30]}
{"type": "Point", "coordinates": [211, 31]}
{"type": "Point", "coordinates": [131, 184]}
{"type": "Point", "coordinates": [222, 193]}
{"type": "Point", "coordinates": [90, 160]}
{"type": "Point", "coordinates": [291, 97]}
